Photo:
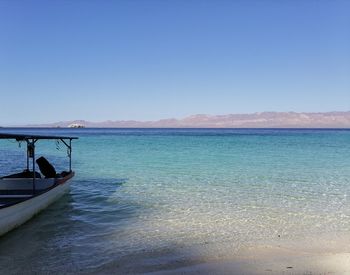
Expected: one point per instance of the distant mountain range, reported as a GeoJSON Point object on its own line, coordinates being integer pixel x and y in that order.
{"type": "Point", "coordinates": [254, 120]}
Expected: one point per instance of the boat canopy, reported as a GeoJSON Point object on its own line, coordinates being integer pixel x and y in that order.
{"type": "Point", "coordinates": [23, 137]}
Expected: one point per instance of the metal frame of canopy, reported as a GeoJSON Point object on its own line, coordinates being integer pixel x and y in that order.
{"type": "Point", "coordinates": [31, 140]}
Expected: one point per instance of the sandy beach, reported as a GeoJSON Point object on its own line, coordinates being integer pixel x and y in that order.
{"type": "Point", "coordinates": [323, 254]}
{"type": "Point", "coordinates": [272, 260]}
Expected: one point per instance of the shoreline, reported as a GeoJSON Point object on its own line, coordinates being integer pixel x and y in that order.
{"type": "Point", "coordinates": [322, 254]}
{"type": "Point", "coordinates": [272, 260]}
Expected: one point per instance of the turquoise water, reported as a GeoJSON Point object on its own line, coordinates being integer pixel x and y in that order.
{"type": "Point", "coordinates": [180, 195]}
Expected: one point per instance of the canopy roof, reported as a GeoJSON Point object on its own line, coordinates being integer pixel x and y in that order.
{"type": "Point", "coordinates": [29, 136]}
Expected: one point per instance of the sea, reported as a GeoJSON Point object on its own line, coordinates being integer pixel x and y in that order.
{"type": "Point", "coordinates": [144, 200]}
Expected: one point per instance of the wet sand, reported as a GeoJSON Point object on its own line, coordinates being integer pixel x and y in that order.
{"type": "Point", "coordinates": [323, 254]}
{"type": "Point", "coordinates": [272, 260]}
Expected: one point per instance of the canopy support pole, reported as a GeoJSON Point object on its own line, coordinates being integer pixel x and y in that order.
{"type": "Point", "coordinates": [70, 155]}
{"type": "Point", "coordinates": [31, 154]}
{"type": "Point", "coordinates": [27, 155]}
{"type": "Point", "coordinates": [69, 146]}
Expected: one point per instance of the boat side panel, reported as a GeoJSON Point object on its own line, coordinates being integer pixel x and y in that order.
{"type": "Point", "coordinates": [13, 216]}
{"type": "Point", "coordinates": [25, 183]}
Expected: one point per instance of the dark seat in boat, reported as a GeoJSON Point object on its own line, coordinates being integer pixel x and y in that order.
{"type": "Point", "coordinates": [46, 168]}
{"type": "Point", "coordinates": [64, 173]}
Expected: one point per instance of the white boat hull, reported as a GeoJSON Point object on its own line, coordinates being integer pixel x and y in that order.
{"type": "Point", "coordinates": [19, 213]}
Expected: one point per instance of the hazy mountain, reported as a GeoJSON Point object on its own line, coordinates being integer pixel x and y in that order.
{"type": "Point", "coordinates": [255, 120]}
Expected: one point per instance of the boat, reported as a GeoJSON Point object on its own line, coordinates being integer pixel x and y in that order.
{"type": "Point", "coordinates": [76, 125]}
{"type": "Point", "coordinates": [25, 194]}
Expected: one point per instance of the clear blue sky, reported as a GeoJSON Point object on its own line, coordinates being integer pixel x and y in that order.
{"type": "Point", "coordinates": [147, 60]}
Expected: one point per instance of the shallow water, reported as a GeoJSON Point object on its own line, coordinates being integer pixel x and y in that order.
{"type": "Point", "coordinates": [181, 193]}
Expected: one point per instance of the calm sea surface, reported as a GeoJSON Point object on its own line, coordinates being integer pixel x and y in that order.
{"type": "Point", "coordinates": [161, 195]}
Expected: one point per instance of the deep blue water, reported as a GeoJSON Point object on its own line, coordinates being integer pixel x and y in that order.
{"type": "Point", "coordinates": [198, 192]}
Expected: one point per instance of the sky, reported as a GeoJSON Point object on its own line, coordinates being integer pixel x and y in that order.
{"type": "Point", "coordinates": [149, 60]}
